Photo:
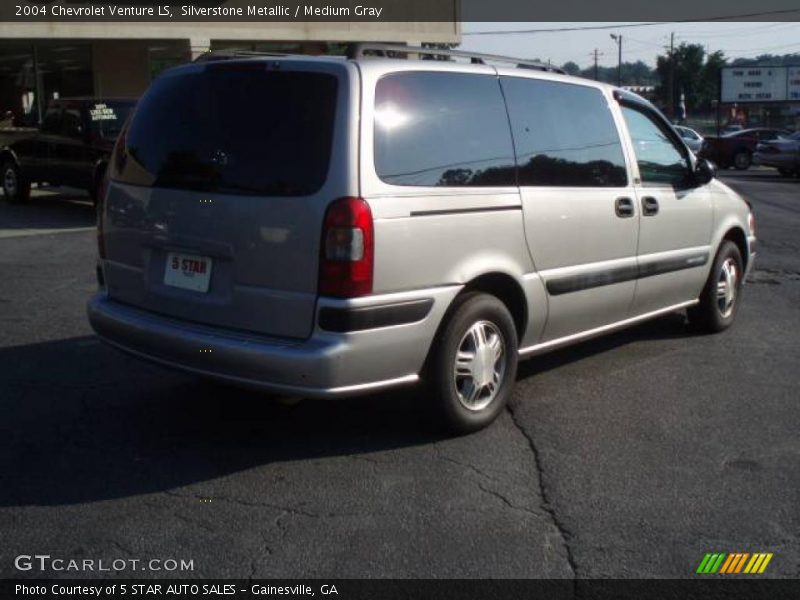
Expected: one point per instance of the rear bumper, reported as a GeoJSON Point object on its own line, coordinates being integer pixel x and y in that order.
{"type": "Point", "coordinates": [778, 161]}
{"type": "Point", "coordinates": [328, 364]}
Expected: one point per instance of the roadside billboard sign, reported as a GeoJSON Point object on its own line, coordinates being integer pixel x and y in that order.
{"type": "Point", "coordinates": [758, 84]}
{"type": "Point", "coordinates": [793, 84]}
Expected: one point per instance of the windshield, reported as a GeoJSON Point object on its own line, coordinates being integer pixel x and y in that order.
{"type": "Point", "coordinates": [233, 128]}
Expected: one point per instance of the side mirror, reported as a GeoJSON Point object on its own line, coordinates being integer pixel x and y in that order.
{"type": "Point", "coordinates": [704, 171]}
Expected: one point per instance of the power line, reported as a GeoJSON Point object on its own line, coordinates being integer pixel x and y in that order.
{"type": "Point", "coordinates": [656, 44]}
{"type": "Point", "coordinates": [559, 29]}
{"type": "Point", "coordinates": [768, 48]}
{"type": "Point", "coordinates": [740, 31]}
{"type": "Point", "coordinates": [630, 25]}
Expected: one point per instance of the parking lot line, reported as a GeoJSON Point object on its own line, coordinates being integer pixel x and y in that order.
{"type": "Point", "coordinates": [12, 233]}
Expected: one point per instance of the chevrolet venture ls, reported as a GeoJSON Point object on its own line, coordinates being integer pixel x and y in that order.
{"type": "Point", "coordinates": [325, 227]}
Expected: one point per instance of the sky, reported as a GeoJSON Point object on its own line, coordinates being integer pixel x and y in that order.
{"type": "Point", "coordinates": [638, 43]}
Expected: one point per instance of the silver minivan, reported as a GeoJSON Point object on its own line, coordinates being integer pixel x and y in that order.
{"type": "Point", "coordinates": [325, 227]}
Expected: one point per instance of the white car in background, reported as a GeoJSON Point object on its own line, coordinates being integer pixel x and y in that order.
{"type": "Point", "coordinates": [693, 139]}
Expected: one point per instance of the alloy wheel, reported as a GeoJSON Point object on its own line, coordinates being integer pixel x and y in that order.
{"type": "Point", "coordinates": [480, 365]}
{"type": "Point", "coordinates": [741, 160]}
{"type": "Point", "coordinates": [10, 183]}
{"type": "Point", "coordinates": [727, 286]}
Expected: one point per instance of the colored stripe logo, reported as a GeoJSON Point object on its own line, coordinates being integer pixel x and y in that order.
{"type": "Point", "coordinates": [734, 563]}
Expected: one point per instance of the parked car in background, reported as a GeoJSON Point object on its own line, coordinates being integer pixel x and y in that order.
{"type": "Point", "coordinates": [71, 148]}
{"type": "Point", "coordinates": [781, 153]}
{"type": "Point", "coordinates": [731, 129]}
{"type": "Point", "coordinates": [690, 137]}
{"type": "Point", "coordinates": [736, 149]}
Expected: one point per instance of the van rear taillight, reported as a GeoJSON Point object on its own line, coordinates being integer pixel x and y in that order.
{"type": "Point", "coordinates": [347, 252]}
{"type": "Point", "coordinates": [119, 157]}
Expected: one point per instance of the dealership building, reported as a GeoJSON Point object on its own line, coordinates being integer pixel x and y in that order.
{"type": "Point", "coordinates": [40, 61]}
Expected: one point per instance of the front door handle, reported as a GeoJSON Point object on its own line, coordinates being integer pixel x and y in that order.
{"type": "Point", "coordinates": [649, 206]}
{"type": "Point", "coordinates": [624, 208]}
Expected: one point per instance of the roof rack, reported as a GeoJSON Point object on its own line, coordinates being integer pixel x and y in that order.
{"type": "Point", "coordinates": [232, 53]}
{"type": "Point", "coordinates": [363, 50]}
{"type": "Point", "coordinates": [370, 50]}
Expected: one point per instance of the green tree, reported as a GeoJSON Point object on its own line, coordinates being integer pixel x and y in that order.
{"type": "Point", "coordinates": [680, 73]}
{"type": "Point", "coordinates": [637, 73]}
{"type": "Point", "coordinates": [709, 87]}
{"type": "Point", "coordinates": [767, 60]}
{"type": "Point", "coordinates": [571, 68]}
{"type": "Point", "coordinates": [692, 73]}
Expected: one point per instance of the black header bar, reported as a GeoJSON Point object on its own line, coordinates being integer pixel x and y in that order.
{"type": "Point", "coordinates": [394, 10]}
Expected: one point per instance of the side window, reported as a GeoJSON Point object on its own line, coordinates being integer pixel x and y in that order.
{"type": "Point", "coordinates": [564, 134]}
{"type": "Point", "coordinates": [52, 121]}
{"type": "Point", "coordinates": [442, 129]}
{"type": "Point", "coordinates": [661, 162]}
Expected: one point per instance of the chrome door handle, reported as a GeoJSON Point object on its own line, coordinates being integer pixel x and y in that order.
{"type": "Point", "coordinates": [649, 206]}
{"type": "Point", "coordinates": [624, 208]}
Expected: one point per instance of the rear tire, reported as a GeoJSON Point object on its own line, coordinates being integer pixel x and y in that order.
{"type": "Point", "coordinates": [16, 188]}
{"type": "Point", "coordinates": [719, 301]}
{"type": "Point", "coordinates": [742, 159]}
{"type": "Point", "coordinates": [474, 363]}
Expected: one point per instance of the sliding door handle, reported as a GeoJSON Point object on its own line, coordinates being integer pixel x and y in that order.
{"type": "Point", "coordinates": [624, 208]}
{"type": "Point", "coordinates": [649, 206]}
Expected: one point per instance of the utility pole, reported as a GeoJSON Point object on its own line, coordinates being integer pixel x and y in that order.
{"type": "Point", "coordinates": [618, 39]}
{"type": "Point", "coordinates": [596, 54]}
{"type": "Point", "coordinates": [672, 75]}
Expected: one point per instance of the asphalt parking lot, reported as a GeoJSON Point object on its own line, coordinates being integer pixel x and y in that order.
{"type": "Point", "coordinates": [627, 456]}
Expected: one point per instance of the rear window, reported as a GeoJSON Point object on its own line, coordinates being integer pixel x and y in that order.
{"type": "Point", "coordinates": [233, 128]}
{"type": "Point", "coordinates": [442, 129]}
{"type": "Point", "coordinates": [107, 118]}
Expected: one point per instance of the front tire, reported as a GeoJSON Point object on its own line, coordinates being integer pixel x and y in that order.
{"type": "Point", "coordinates": [16, 188]}
{"type": "Point", "coordinates": [742, 160]}
{"type": "Point", "coordinates": [719, 301]}
{"type": "Point", "coordinates": [474, 364]}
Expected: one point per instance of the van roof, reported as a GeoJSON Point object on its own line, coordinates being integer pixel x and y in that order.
{"type": "Point", "coordinates": [400, 54]}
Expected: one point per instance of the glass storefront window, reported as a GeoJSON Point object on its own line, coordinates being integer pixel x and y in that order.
{"type": "Point", "coordinates": [34, 73]}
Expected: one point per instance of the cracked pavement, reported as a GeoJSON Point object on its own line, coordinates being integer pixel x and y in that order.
{"type": "Point", "coordinates": [627, 456]}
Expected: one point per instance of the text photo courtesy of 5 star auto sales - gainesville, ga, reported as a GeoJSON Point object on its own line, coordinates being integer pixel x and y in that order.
{"type": "Point", "coordinates": [158, 590]}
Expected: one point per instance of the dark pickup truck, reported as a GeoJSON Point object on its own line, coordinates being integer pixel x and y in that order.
{"type": "Point", "coordinates": [736, 149]}
{"type": "Point", "coordinates": [71, 148]}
